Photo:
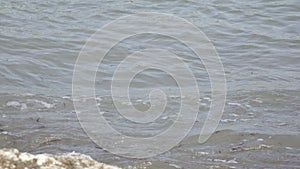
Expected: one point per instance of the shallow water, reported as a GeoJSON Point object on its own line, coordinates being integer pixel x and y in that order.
{"type": "Point", "coordinates": [258, 42]}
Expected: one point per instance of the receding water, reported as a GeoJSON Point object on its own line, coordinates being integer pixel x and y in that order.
{"type": "Point", "coordinates": [257, 41]}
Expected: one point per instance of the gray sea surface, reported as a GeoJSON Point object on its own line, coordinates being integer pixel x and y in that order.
{"type": "Point", "coordinates": [258, 42]}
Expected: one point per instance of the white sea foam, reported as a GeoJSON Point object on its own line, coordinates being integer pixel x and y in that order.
{"type": "Point", "coordinates": [23, 106]}
{"type": "Point", "coordinates": [13, 104]}
{"type": "Point", "coordinates": [45, 104]}
{"type": "Point", "coordinates": [234, 104]}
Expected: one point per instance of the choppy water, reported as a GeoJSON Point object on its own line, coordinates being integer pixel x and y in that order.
{"type": "Point", "coordinates": [258, 42]}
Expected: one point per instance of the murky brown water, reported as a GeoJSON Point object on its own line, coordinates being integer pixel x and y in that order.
{"type": "Point", "coordinates": [258, 42]}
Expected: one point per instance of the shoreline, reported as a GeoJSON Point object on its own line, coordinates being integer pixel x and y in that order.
{"type": "Point", "coordinates": [14, 159]}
